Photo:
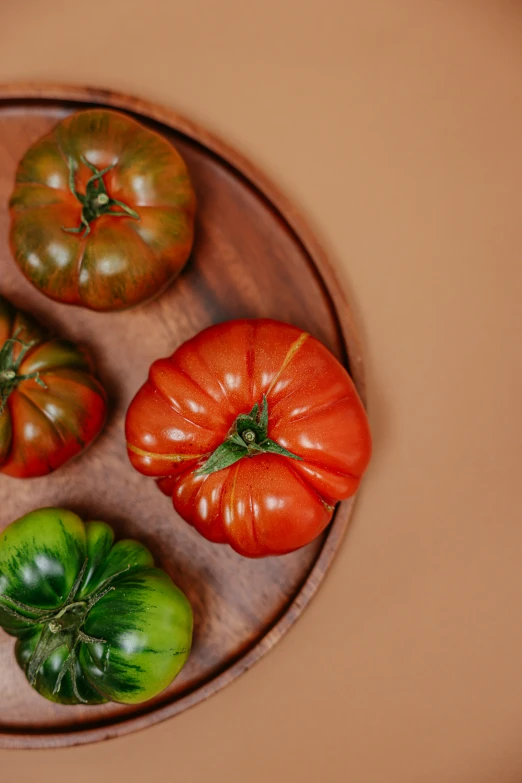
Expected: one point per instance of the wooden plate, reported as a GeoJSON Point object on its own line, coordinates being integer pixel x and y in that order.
{"type": "Point", "coordinates": [253, 256]}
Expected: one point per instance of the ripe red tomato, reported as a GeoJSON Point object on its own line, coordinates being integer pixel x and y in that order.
{"type": "Point", "coordinates": [102, 212]}
{"type": "Point", "coordinates": [51, 405]}
{"type": "Point", "coordinates": [256, 431]}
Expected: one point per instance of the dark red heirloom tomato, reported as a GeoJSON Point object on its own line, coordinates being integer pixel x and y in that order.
{"type": "Point", "coordinates": [51, 405]}
{"type": "Point", "coordinates": [102, 212]}
{"type": "Point", "coordinates": [256, 431]}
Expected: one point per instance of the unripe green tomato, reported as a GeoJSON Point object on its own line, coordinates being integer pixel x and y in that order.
{"type": "Point", "coordinates": [95, 621]}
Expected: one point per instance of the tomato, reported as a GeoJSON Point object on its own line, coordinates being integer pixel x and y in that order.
{"type": "Point", "coordinates": [256, 431]}
{"type": "Point", "coordinates": [102, 212]}
{"type": "Point", "coordinates": [51, 405]}
{"type": "Point", "coordinates": [95, 621]}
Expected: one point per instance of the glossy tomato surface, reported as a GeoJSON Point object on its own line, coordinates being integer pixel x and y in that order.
{"type": "Point", "coordinates": [255, 430]}
{"type": "Point", "coordinates": [95, 621]}
{"type": "Point", "coordinates": [102, 212]}
{"type": "Point", "coordinates": [51, 405]}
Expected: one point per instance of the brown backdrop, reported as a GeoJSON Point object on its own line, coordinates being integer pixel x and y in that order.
{"type": "Point", "coordinates": [397, 126]}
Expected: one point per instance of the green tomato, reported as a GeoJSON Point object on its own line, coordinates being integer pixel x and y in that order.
{"type": "Point", "coordinates": [95, 621]}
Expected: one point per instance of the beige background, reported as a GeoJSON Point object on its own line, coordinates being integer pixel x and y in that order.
{"type": "Point", "coordinates": [397, 126]}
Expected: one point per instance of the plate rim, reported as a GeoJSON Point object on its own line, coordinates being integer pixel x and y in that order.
{"type": "Point", "coordinates": [303, 232]}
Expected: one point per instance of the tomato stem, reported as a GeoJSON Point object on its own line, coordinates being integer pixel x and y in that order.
{"type": "Point", "coordinates": [248, 436]}
{"type": "Point", "coordinates": [9, 366]}
{"type": "Point", "coordinates": [95, 201]}
{"type": "Point", "coordinates": [63, 627]}
{"type": "Point", "coordinates": [56, 625]}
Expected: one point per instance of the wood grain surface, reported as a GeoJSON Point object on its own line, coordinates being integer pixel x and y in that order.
{"type": "Point", "coordinates": [253, 256]}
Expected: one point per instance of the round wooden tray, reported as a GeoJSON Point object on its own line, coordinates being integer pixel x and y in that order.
{"type": "Point", "coordinates": [253, 256]}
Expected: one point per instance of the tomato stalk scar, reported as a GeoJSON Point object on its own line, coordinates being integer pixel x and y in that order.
{"type": "Point", "coordinates": [62, 627]}
{"type": "Point", "coordinates": [95, 201]}
{"type": "Point", "coordinates": [9, 366]}
{"type": "Point", "coordinates": [247, 437]}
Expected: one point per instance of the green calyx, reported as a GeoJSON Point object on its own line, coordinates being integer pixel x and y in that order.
{"type": "Point", "coordinates": [247, 438]}
{"type": "Point", "coordinates": [95, 201]}
{"type": "Point", "coordinates": [62, 626]}
{"type": "Point", "coordinates": [9, 366]}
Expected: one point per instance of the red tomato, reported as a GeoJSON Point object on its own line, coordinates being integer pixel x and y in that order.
{"type": "Point", "coordinates": [256, 431]}
{"type": "Point", "coordinates": [102, 212]}
{"type": "Point", "coordinates": [51, 405]}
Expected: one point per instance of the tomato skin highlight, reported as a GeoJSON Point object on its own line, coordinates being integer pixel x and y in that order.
{"type": "Point", "coordinates": [95, 621]}
{"type": "Point", "coordinates": [57, 410]}
{"type": "Point", "coordinates": [114, 253]}
{"type": "Point", "coordinates": [275, 489]}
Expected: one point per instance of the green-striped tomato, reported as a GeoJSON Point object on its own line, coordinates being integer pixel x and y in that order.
{"type": "Point", "coordinates": [95, 621]}
{"type": "Point", "coordinates": [102, 212]}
